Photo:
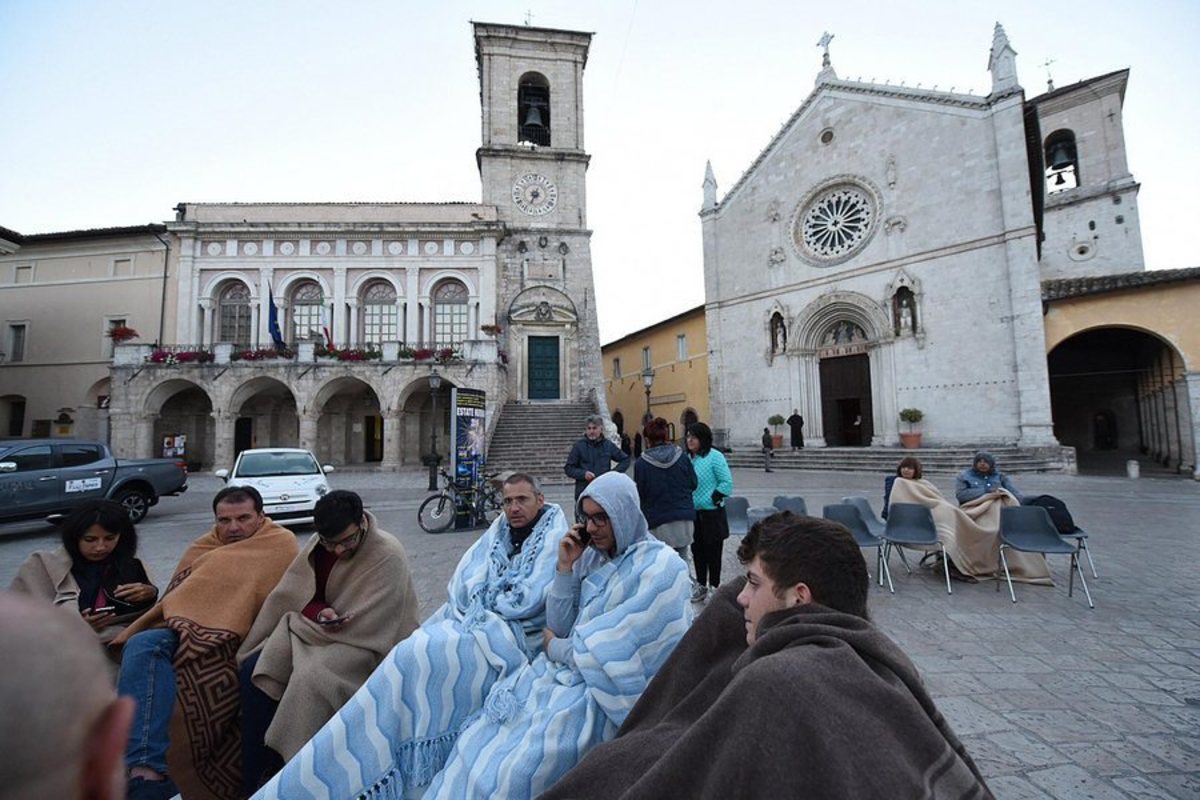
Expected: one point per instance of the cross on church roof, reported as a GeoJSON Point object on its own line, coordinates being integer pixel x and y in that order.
{"type": "Point", "coordinates": [823, 42]}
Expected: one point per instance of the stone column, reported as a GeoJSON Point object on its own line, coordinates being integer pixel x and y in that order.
{"type": "Point", "coordinates": [338, 323]}
{"type": "Point", "coordinates": [308, 430]}
{"type": "Point", "coordinates": [412, 301]}
{"type": "Point", "coordinates": [352, 334]}
{"type": "Point", "coordinates": [392, 436]}
{"type": "Point", "coordinates": [144, 436]}
{"type": "Point", "coordinates": [1192, 379]}
{"type": "Point", "coordinates": [222, 439]}
{"type": "Point", "coordinates": [123, 434]}
{"type": "Point", "coordinates": [814, 424]}
{"type": "Point", "coordinates": [206, 312]}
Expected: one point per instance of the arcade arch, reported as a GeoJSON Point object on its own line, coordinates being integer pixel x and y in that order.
{"type": "Point", "coordinates": [183, 408]}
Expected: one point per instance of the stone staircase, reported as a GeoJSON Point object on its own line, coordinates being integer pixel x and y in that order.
{"type": "Point", "coordinates": [937, 460]}
{"type": "Point", "coordinates": [536, 438]}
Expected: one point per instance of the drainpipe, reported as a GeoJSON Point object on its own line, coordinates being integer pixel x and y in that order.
{"type": "Point", "coordinates": [162, 306]}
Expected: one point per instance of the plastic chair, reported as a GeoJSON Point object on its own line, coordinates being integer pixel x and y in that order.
{"type": "Point", "coordinates": [736, 509]}
{"type": "Point", "coordinates": [1080, 536]}
{"type": "Point", "coordinates": [851, 518]}
{"type": "Point", "coordinates": [911, 525]}
{"type": "Point", "coordinates": [874, 524]}
{"type": "Point", "coordinates": [794, 504]}
{"type": "Point", "coordinates": [759, 513]}
{"type": "Point", "coordinates": [1029, 529]}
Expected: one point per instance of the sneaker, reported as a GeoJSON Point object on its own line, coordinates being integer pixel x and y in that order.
{"type": "Point", "coordinates": [143, 789]}
{"type": "Point", "coordinates": [700, 595]}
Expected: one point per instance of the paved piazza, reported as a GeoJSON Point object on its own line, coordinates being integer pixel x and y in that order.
{"type": "Point", "coordinates": [1054, 700]}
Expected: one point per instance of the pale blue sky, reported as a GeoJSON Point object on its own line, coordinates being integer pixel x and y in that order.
{"type": "Point", "coordinates": [115, 111]}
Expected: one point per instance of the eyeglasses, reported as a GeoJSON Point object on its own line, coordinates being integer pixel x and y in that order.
{"type": "Point", "coordinates": [344, 543]}
{"type": "Point", "coordinates": [600, 518]}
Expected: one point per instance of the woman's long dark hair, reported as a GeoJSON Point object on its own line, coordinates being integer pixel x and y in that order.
{"type": "Point", "coordinates": [703, 434]}
{"type": "Point", "coordinates": [909, 461]}
{"type": "Point", "coordinates": [110, 516]}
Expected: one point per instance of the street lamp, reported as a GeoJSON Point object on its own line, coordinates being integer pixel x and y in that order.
{"type": "Point", "coordinates": [648, 380]}
{"type": "Point", "coordinates": [435, 383]}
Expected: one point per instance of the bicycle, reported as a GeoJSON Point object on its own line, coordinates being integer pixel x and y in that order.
{"type": "Point", "coordinates": [480, 501]}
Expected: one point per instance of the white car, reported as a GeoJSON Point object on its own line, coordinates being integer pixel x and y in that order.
{"type": "Point", "coordinates": [290, 480]}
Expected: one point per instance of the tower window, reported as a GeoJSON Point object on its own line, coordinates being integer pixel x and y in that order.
{"type": "Point", "coordinates": [533, 109]}
{"type": "Point", "coordinates": [1062, 162]}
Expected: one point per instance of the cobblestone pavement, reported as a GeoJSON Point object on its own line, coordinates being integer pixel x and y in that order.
{"type": "Point", "coordinates": [1053, 700]}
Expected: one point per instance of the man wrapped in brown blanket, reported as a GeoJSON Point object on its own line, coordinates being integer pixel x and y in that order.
{"type": "Point", "coordinates": [971, 533]}
{"type": "Point", "coordinates": [819, 704]}
{"type": "Point", "coordinates": [183, 649]}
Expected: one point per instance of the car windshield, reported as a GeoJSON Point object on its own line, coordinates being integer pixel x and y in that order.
{"type": "Point", "coordinates": [262, 465]}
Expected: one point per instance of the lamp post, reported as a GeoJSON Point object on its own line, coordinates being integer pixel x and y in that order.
{"type": "Point", "coordinates": [435, 383]}
{"type": "Point", "coordinates": [648, 380]}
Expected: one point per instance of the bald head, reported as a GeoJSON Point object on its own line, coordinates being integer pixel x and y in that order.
{"type": "Point", "coordinates": [61, 715]}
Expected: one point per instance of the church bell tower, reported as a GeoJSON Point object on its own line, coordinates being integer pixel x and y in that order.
{"type": "Point", "coordinates": [533, 169]}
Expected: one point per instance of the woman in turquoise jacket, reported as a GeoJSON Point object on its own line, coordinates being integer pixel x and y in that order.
{"type": "Point", "coordinates": [714, 484]}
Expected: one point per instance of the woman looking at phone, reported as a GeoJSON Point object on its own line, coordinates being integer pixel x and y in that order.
{"type": "Point", "coordinates": [95, 569]}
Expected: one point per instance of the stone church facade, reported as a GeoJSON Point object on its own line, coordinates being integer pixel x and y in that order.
{"type": "Point", "coordinates": [373, 299]}
{"type": "Point", "coordinates": [886, 251]}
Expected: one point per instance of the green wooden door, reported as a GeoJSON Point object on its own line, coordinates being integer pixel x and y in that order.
{"type": "Point", "coordinates": [543, 367]}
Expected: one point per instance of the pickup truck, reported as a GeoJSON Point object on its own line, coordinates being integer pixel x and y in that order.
{"type": "Point", "coordinates": [50, 477]}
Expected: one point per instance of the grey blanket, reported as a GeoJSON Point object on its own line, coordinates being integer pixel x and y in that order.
{"type": "Point", "coordinates": [823, 705]}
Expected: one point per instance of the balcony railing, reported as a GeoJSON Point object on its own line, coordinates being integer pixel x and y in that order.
{"type": "Point", "coordinates": [224, 354]}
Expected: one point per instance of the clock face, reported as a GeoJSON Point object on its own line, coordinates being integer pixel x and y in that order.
{"type": "Point", "coordinates": [535, 194]}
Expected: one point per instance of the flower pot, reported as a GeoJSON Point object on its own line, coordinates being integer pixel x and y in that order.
{"type": "Point", "coordinates": [910, 441]}
{"type": "Point", "coordinates": [777, 441]}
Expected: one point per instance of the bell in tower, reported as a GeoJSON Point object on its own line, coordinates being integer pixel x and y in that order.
{"type": "Point", "coordinates": [533, 109]}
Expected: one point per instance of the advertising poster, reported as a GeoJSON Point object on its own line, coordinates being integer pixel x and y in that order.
{"type": "Point", "coordinates": [468, 409]}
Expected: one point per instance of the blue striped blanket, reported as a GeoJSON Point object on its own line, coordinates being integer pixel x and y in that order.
{"type": "Point", "coordinates": [397, 730]}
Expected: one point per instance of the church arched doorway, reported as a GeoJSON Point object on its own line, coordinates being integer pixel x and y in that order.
{"type": "Point", "coordinates": [845, 370]}
{"type": "Point", "coordinates": [1119, 393]}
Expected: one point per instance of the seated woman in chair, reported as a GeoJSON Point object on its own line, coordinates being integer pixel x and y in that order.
{"type": "Point", "coordinates": [909, 468]}
{"type": "Point", "coordinates": [971, 533]}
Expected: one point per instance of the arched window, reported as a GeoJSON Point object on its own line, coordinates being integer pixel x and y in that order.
{"type": "Point", "coordinates": [233, 314]}
{"type": "Point", "coordinates": [306, 307]}
{"type": "Point", "coordinates": [449, 313]}
{"type": "Point", "coordinates": [533, 109]}
{"type": "Point", "coordinates": [1062, 162]}
{"type": "Point", "coordinates": [380, 316]}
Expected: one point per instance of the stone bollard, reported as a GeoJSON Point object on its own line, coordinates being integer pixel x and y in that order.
{"type": "Point", "coordinates": [1133, 468]}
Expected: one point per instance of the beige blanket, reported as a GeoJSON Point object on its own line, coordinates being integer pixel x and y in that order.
{"type": "Point", "coordinates": [970, 534]}
{"type": "Point", "coordinates": [310, 670]}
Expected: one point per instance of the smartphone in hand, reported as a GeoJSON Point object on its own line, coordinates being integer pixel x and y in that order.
{"type": "Point", "coordinates": [102, 610]}
{"type": "Point", "coordinates": [334, 621]}
{"type": "Point", "coordinates": [581, 531]}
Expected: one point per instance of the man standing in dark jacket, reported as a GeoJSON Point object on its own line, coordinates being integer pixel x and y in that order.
{"type": "Point", "coordinates": [593, 455]}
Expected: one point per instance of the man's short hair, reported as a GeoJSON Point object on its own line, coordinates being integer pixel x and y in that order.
{"type": "Point", "coordinates": [594, 419]}
{"type": "Point", "coordinates": [238, 494]}
{"type": "Point", "coordinates": [524, 477]}
{"type": "Point", "coordinates": [337, 511]}
{"type": "Point", "coordinates": [822, 554]}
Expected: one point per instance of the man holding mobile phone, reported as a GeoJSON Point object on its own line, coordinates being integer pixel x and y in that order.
{"type": "Point", "coordinates": [344, 602]}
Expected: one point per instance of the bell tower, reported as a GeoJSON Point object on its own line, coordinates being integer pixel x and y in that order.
{"type": "Point", "coordinates": [533, 169]}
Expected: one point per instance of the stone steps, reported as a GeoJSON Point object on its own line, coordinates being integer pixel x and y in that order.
{"type": "Point", "coordinates": [536, 438]}
{"type": "Point", "coordinates": [940, 460]}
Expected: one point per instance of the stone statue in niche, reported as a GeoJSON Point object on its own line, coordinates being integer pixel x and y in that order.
{"type": "Point", "coordinates": [778, 334]}
{"type": "Point", "coordinates": [904, 311]}
{"type": "Point", "coordinates": [843, 332]}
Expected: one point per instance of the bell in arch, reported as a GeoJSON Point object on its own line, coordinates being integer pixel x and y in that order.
{"type": "Point", "coordinates": [533, 117]}
{"type": "Point", "coordinates": [1062, 155]}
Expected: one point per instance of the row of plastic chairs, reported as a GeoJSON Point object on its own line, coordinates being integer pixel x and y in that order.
{"type": "Point", "coordinates": [742, 517]}
{"type": "Point", "coordinates": [1024, 528]}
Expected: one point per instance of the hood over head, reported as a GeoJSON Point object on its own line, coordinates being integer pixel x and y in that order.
{"type": "Point", "coordinates": [663, 455]}
{"type": "Point", "coordinates": [986, 456]}
{"type": "Point", "coordinates": [617, 494]}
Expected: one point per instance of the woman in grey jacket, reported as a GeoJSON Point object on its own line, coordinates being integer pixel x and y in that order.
{"type": "Point", "coordinates": [665, 482]}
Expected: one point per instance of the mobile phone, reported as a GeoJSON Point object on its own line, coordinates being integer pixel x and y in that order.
{"type": "Point", "coordinates": [581, 531]}
{"type": "Point", "coordinates": [334, 621]}
{"type": "Point", "coordinates": [102, 609]}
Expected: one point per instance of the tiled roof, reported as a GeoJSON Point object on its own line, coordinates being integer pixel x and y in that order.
{"type": "Point", "coordinates": [1064, 288]}
{"type": "Point", "coordinates": [90, 233]}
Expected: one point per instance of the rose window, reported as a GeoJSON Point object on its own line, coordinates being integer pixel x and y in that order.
{"type": "Point", "coordinates": [835, 224]}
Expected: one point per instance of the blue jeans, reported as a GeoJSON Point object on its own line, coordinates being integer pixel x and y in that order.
{"type": "Point", "coordinates": [148, 676]}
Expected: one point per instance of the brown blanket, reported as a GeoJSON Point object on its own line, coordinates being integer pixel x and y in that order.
{"type": "Point", "coordinates": [971, 533]}
{"type": "Point", "coordinates": [823, 705]}
{"type": "Point", "coordinates": [211, 602]}
{"type": "Point", "coordinates": [311, 670]}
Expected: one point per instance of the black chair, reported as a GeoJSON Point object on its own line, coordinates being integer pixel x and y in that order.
{"type": "Point", "coordinates": [794, 504]}
{"type": "Point", "coordinates": [1029, 529]}
{"type": "Point", "coordinates": [850, 517]}
{"type": "Point", "coordinates": [757, 514]}
{"type": "Point", "coordinates": [736, 509]}
{"type": "Point", "coordinates": [874, 524]}
{"type": "Point", "coordinates": [911, 525]}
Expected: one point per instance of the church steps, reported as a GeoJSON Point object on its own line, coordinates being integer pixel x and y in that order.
{"type": "Point", "coordinates": [939, 460]}
{"type": "Point", "coordinates": [536, 438]}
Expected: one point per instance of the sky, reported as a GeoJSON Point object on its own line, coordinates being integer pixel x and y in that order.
{"type": "Point", "coordinates": [115, 111]}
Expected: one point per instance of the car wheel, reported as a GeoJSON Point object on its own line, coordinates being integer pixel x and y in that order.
{"type": "Point", "coordinates": [136, 503]}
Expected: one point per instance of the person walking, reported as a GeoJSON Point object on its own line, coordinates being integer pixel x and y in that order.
{"type": "Point", "coordinates": [593, 455]}
{"type": "Point", "coordinates": [768, 450]}
{"type": "Point", "coordinates": [714, 482]}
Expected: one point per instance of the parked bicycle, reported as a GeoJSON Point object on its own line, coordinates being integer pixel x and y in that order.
{"type": "Point", "coordinates": [481, 502]}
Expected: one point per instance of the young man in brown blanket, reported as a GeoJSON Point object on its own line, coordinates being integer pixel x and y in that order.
{"type": "Point", "coordinates": [782, 688]}
{"type": "Point", "coordinates": [183, 650]}
{"type": "Point", "coordinates": [343, 604]}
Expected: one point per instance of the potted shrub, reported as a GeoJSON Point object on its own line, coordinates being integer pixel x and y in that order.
{"type": "Point", "coordinates": [775, 420]}
{"type": "Point", "coordinates": [912, 416]}
{"type": "Point", "coordinates": [122, 333]}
